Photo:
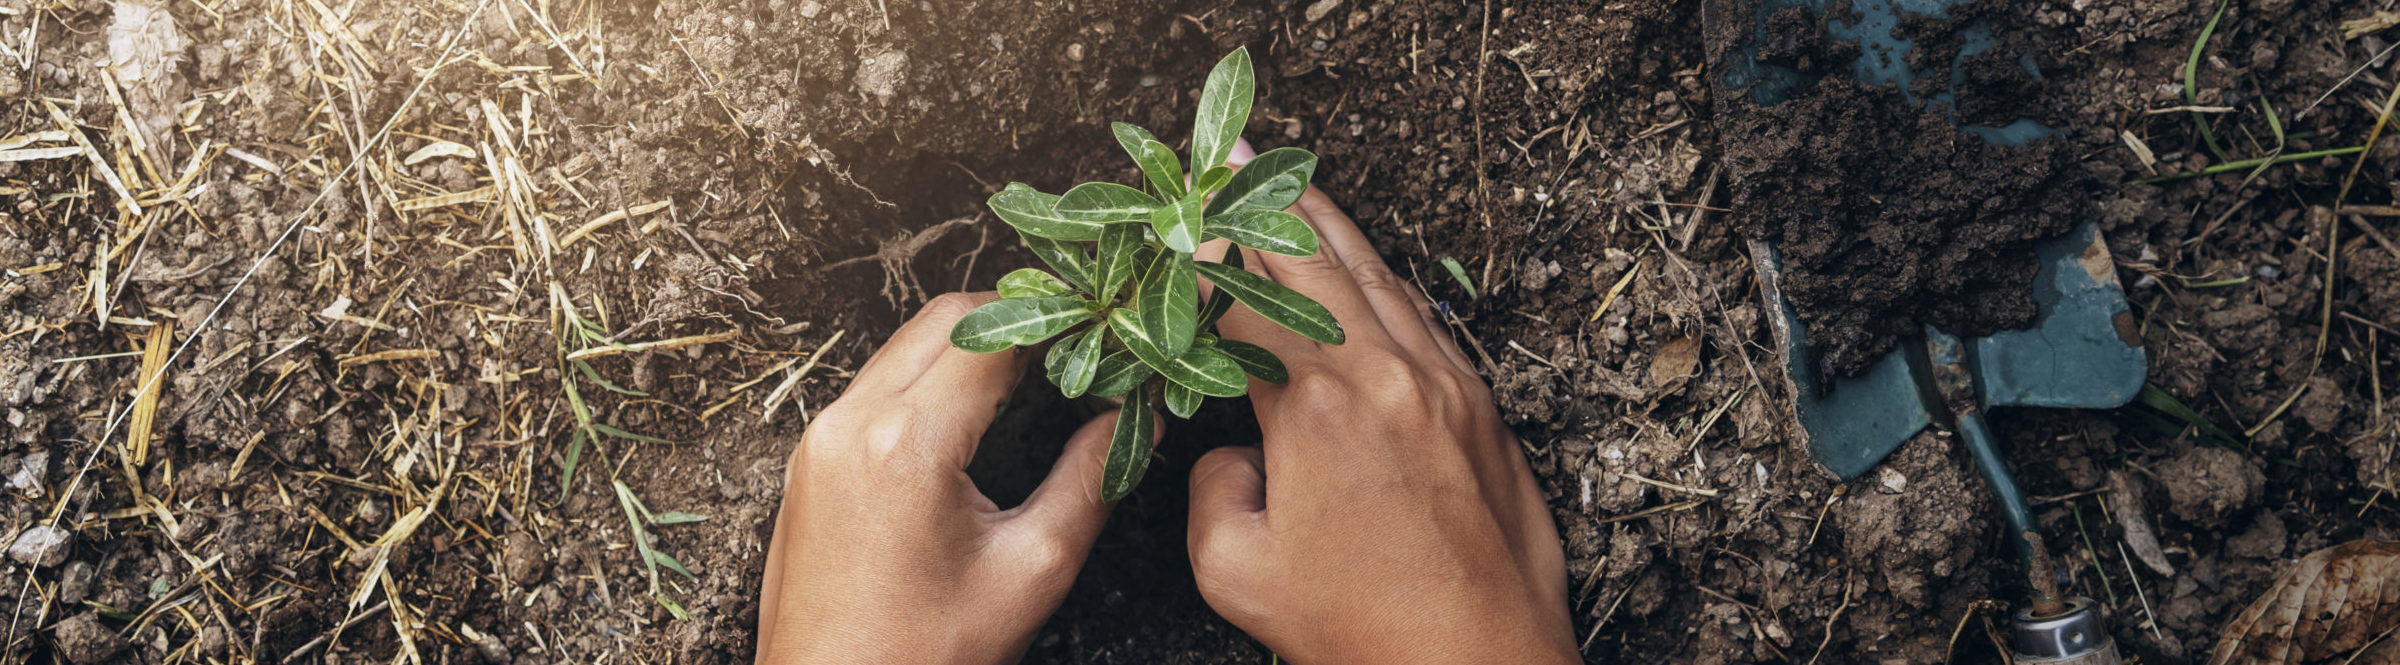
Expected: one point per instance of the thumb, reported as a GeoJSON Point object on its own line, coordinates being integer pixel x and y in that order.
{"type": "Point", "coordinates": [1242, 153]}
{"type": "Point", "coordinates": [1229, 502]}
{"type": "Point", "coordinates": [1067, 505]}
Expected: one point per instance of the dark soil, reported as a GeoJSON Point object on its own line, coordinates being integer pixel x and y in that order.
{"type": "Point", "coordinates": [1888, 216]}
{"type": "Point", "coordinates": [812, 154]}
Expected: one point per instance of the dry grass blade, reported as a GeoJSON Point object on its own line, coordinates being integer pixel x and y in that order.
{"type": "Point", "coordinates": [660, 345]}
{"type": "Point", "coordinates": [145, 403]}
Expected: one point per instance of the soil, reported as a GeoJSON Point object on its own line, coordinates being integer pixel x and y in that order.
{"type": "Point", "coordinates": [801, 174]}
{"type": "Point", "coordinates": [1888, 216]}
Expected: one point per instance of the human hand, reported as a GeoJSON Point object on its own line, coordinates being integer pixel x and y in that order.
{"type": "Point", "coordinates": [885, 552]}
{"type": "Point", "coordinates": [1390, 517]}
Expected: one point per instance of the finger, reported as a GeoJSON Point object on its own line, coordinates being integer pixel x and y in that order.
{"type": "Point", "coordinates": [1229, 503]}
{"type": "Point", "coordinates": [1322, 278]}
{"type": "Point", "coordinates": [1242, 153]}
{"type": "Point", "coordinates": [1384, 291]}
{"type": "Point", "coordinates": [916, 344]}
{"type": "Point", "coordinates": [1067, 508]}
{"type": "Point", "coordinates": [1244, 324]}
{"type": "Point", "coordinates": [957, 396]}
{"type": "Point", "coordinates": [1440, 333]}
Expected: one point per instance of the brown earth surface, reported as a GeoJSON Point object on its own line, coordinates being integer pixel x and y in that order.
{"type": "Point", "coordinates": [362, 228]}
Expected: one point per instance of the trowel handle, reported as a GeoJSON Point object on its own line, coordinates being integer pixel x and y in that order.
{"type": "Point", "coordinates": [2004, 486]}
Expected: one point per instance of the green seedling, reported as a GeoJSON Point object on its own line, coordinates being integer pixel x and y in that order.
{"type": "Point", "coordinates": [1122, 296]}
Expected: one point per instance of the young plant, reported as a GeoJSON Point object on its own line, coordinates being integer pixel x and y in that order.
{"type": "Point", "coordinates": [1123, 301]}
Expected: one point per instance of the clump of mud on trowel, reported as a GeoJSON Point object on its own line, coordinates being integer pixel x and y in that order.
{"type": "Point", "coordinates": [1887, 215]}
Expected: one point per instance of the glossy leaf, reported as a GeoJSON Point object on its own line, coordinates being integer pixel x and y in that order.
{"type": "Point", "coordinates": [1066, 258]}
{"type": "Point", "coordinates": [1119, 246]}
{"type": "Point", "coordinates": [1255, 360]}
{"type": "Point", "coordinates": [1181, 401]}
{"type": "Point", "coordinates": [1156, 158]}
{"type": "Point", "coordinates": [1178, 225]}
{"type": "Point", "coordinates": [1035, 213]}
{"type": "Point", "coordinates": [1105, 203]}
{"type": "Point", "coordinates": [1276, 302]}
{"type": "Point", "coordinates": [1074, 360]}
{"type": "Point", "coordinates": [1169, 303]}
{"type": "Point", "coordinates": [1266, 231]}
{"type": "Point", "coordinates": [1128, 448]}
{"type": "Point", "coordinates": [1033, 283]}
{"type": "Point", "coordinates": [1199, 368]}
{"type": "Point", "coordinates": [1259, 184]}
{"type": "Point", "coordinates": [1209, 181]}
{"type": "Point", "coordinates": [1275, 193]}
{"type": "Point", "coordinates": [1017, 321]}
{"type": "Point", "coordinates": [1219, 301]}
{"type": "Point", "coordinates": [1119, 373]}
{"type": "Point", "coordinates": [1224, 107]}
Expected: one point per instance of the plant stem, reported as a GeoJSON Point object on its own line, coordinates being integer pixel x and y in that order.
{"type": "Point", "coordinates": [2252, 162]}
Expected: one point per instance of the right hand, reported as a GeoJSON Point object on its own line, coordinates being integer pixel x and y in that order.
{"type": "Point", "coordinates": [1390, 516]}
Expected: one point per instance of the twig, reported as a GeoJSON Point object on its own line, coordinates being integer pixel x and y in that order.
{"type": "Point", "coordinates": [345, 625]}
{"type": "Point", "coordinates": [1848, 585]}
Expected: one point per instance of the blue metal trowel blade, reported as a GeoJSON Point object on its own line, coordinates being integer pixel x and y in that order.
{"type": "Point", "coordinates": [1849, 425]}
{"type": "Point", "coordinates": [2083, 351]}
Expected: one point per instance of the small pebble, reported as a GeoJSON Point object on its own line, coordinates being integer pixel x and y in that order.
{"type": "Point", "coordinates": [1321, 8]}
{"type": "Point", "coordinates": [1075, 52]}
{"type": "Point", "coordinates": [1149, 80]}
{"type": "Point", "coordinates": [41, 546]}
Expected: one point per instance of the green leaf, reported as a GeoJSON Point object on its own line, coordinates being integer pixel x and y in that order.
{"type": "Point", "coordinates": [1178, 225]}
{"type": "Point", "coordinates": [641, 538]}
{"type": "Point", "coordinates": [1099, 203]}
{"type": "Point", "coordinates": [1119, 373]}
{"type": "Point", "coordinates": [670, 563]}
{"type": "Point", "coordinates": [1156, 158]}
{"type": "Point", "coordinates": [1224, 108]}
{"type": "Point", "coordinates": [622, 434]}
{"type": "Point", "coordinates": [1033, 283]}
{"type": "Point", "coordinates": [1074, 360]}
{"type": "Point", "coordinates": [593, 375]}
{"type": "Point", "coordinates": [1065, 257]}
{"type": "Point", "coordinates": [1036, 213]}
{"type": "Point", "coordinates": [1219, 301]}
{"type": "Point", "coordinates": [1277, 302]}
{"type": "Point", "coordinates": [1119, 246]}
{"type": "Point", "coordinates": [1199, 368]}
{"type": "Point", "coordinates": [1017, 321]}
{"type": "Point", "coordinates": [566, 473]}
{"type": "Point", "coordinates": [1459, 272]}
{"type": "Point", "coordinates": [673, 517]}
{"type": "Point", "coordinates": [1266, 231]}
{"type": "Point", "coordinates": [1169, 303]}
{"type": "Point", "coordinates": [1276, 193]}
{"type": "Point", "coordinates": [1181, 401]}
{"type": "Point", "coordinates": [673, 608]}
{"type": "Point", "coordinates": [1260, 184]}
{"type": "Point", "coordinates": [1128, 448]}
{"type": "Point", "coordinates": [1255, 360]}
{"type": "Point", "coordinates": [1209, 181]}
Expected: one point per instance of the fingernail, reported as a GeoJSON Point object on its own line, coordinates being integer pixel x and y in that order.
{"type": "Point", "coordinates": [1242, 153]}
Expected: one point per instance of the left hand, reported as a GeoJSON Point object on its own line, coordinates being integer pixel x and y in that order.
{"type": "Point", "coordinates": [885, 552]}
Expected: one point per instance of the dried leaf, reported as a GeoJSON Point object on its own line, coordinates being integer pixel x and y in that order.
{"type": "Point", "coordinates": [2125, 498]}
{"type": "Point", "coordinates": [1674, 361]}
{"type": "Point", "coordinates": [2334, 602]}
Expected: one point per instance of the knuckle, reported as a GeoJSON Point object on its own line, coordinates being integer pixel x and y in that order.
{"type": "Point", "coordinates": [1374, 276]}
{"type": "Point", "coordinates": [1317, 388]}
{"type": "Point", "coordinates": [952, 305]}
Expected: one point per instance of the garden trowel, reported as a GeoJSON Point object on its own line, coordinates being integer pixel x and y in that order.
{"type": "Point", "coordinates": [2083, 350]}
